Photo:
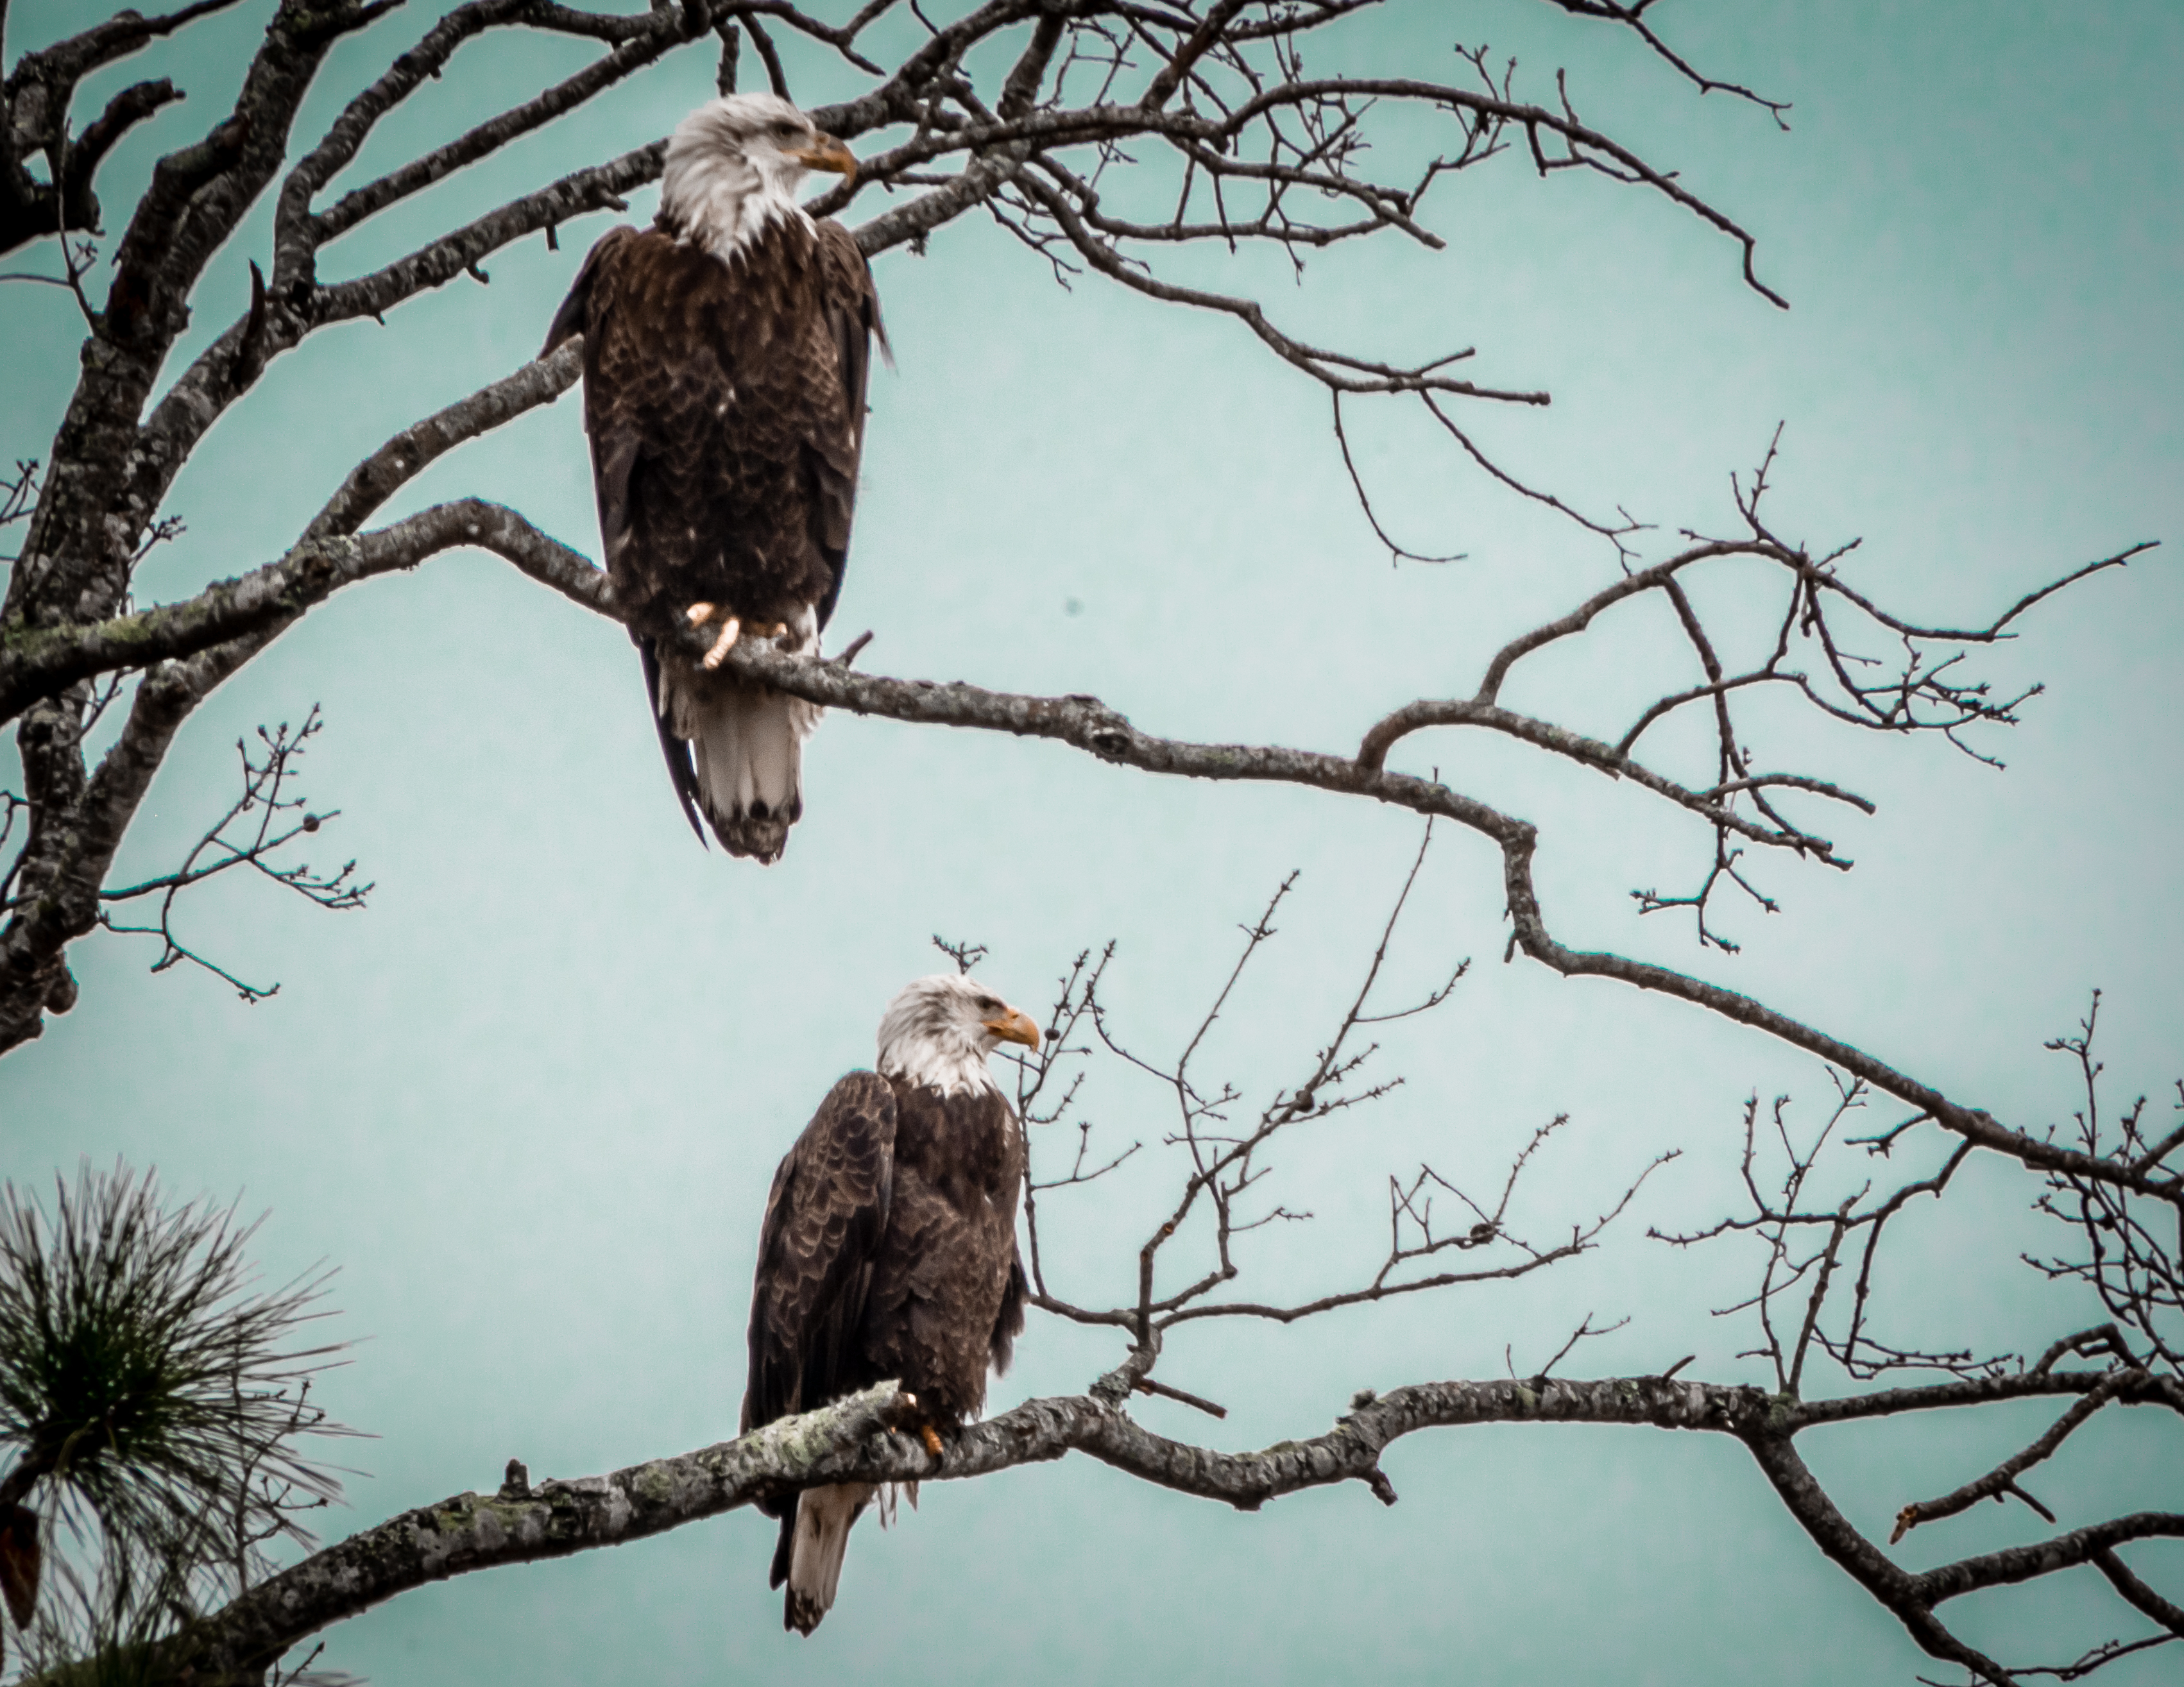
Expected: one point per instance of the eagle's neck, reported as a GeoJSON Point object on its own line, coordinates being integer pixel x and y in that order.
{"type": "Point", "coordinates": [723, 203]}
{"type": "Point", "coordinates": [949, 1061]}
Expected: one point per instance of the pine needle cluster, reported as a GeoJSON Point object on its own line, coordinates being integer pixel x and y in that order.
{"type": "Point", "coordinates": [151, 1408]}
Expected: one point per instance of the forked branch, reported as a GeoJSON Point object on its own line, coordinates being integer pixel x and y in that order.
{"type": "Point", "coordinates": [254, 833]}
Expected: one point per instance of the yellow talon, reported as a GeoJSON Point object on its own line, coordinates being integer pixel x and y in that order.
{"type": "Point", "coordinates": [726, 642]}
{"type": "Point", "coordinates": [700, 613]}
{"type": "Point", "coordinates": [931, 1438]}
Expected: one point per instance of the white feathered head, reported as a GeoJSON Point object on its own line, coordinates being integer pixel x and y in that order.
{"type": "Point", "coordinates": [939, 1031]}
{"type": "Point", "coordinates": [735, 166]}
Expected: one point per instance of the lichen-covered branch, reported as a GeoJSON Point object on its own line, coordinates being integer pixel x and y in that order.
{"type": "Point", "coordinates": [41, 663]}
{"type": "Point", "coordinates": [523, 1523]}
{"type": "Point", "coordinates": [1224, 101]}
{"type": "Point", "coordinates": [34, 107]}
{"type": "Point", "coordinates": [57, 888]}
{"type": "Point", "coordinates": [851, 1440]}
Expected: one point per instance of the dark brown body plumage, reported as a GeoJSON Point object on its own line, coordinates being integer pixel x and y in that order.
{"type": "Point", "coordinates": [888, 1249]}
{"type": "Point", "coordinates": [725, 400]}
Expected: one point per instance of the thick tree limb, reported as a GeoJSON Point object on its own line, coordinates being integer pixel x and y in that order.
{"type": "Point", "coordinates": [1894, 1588]}
{"type": "Point", "coordinates": [275, 594]}
{"type": "Point", "coordinates": [841, 1443]}
{"type": "Point", "coordinates": [33, 105]}
{"type": "Point", "coordinates": [849, 1441]}
{"type": "Point", "coordinates": [470, 1532]}
{"type": "Point", "coordinates": [127, 109]}
{"type": "Point", "coordinates": [1090, 725]}
{"type": "Point", "coordinates": [1220, 77]}
{"type": "Point", "coordinates": [41, 663]}
{"type": "Point", "coordinates": [2135, 1592]}
{"type": "Point", "coordinates": [119, 36]}
{"type": "Point", "coordinates": [2045, 1557]}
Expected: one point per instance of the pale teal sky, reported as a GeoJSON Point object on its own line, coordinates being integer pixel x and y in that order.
{"type": "Point", "coordinates": [529, 1102]}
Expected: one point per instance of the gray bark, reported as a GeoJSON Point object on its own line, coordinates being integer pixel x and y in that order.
{"type": "Point", "coordinates": [852, 1441]}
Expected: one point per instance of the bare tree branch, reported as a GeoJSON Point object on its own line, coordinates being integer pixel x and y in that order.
{"type": "Point", "coordinates": [266, 822]}
{"type": "Point", "coordinates": [33, 105]}
{"type": "Point", "coordinates": [851, 1441]}
{"type": "Point", "coordinates": [1103, 135]}
{"type": "Point", "coordinates": [2003, 1479]}
{"type": "Point", "coordinates": [1225, 102]}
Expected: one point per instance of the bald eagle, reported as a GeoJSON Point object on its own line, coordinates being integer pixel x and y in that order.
{"type": "Point", "coordinates": [725, 356]}
{"type": "Point", "coordinates": [889, 1250]}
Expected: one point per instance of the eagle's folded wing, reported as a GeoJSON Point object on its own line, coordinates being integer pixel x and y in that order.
{"type": "Point", "coordinates": [824, 1220]}
{"type": "Point", "coordinates": [836, 440]}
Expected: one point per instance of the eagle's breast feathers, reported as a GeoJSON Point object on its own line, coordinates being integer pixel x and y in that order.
{"type": "Point", "coordinates": [725, 403]}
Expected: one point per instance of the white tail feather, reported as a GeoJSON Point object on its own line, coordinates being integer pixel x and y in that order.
{"type": "Point", "coordinates": [747, 743]}
{"type": "Point", "coordinates": [824, 1517]}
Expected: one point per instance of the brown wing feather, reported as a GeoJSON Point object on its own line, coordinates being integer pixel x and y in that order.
{"type": "Point", "coordinates": [852, 310]}
{"type": "Point", "coordinates": [615, 444]}
{"type": "Point", "coordinates": [571, 317]}
{"type": "Point", "coordinates": [1008, 1322]}
{"type": "Point", "coordinates": [825, 1220]}
{"type": "Point", "coordinates": [675, 751]}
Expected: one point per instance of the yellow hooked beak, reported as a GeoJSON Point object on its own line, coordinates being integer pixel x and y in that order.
{"type": "Point", "coordinates": [826, 152]}
{"type": "Point", "coordinates": [1014, 1027]}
